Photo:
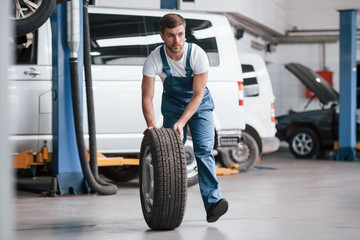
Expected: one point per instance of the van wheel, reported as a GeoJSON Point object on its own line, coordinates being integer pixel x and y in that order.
{"type": "Point", "coordinates": [120, 173]}
{"type": "Point", "coordinates": [163, 186]}
{"type": "Point", "coordinates": [191, 165]}
{"type": "Point", "coordinates": [29, 17]}
{"type": "Point", "coordinates": [304, 143]}
{"type": "Point", "coordinates": [244, 157]}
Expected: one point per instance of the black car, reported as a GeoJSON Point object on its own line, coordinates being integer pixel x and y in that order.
{"type": "Point", "coordinates": [309, 133]}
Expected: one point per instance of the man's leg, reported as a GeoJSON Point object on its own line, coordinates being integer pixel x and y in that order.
{"type": "Point", "coordinates": [202, 133]}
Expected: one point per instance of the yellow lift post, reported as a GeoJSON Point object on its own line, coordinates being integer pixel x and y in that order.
{"type": "Point", "coordinates": [30, 158]}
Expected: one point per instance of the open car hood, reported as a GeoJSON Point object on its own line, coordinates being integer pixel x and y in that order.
{"type": "Point", "coordinates": [321, 88]}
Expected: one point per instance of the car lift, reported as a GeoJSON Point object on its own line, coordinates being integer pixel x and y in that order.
{"type": "Point", "coordinates": [30, 158]}
{"type": "Point", "coordinates": [27, 159]}
{"type": "Point", "coordinates": [347, 116]}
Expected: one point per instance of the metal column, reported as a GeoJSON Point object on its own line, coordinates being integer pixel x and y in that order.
{"type": "Point", "coordinates": [66, 163]}
{"type": "Point", "coordinates": [6, 187]}
{"type": "Point", "coordinates": [347, 117]}
{"type": "Point", "coordinates": [169, 4]}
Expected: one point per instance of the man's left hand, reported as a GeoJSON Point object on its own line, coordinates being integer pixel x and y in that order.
{"type": "Point", "coordinates": [179, 127]}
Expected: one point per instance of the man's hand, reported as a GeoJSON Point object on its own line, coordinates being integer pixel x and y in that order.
{"type": "Point", "coordinates": [149, 128]}
{"type": "Point", "coordinates": [178, 126]}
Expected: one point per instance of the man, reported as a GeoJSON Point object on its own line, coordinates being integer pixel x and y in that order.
{"type": "Point", "coordinates": [183, 68]}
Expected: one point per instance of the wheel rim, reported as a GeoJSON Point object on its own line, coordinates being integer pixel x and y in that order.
{"type": "Point", "coordinates": [240, 154]}
{"type": "Point", "coordinates": [191, 165]}
{"type": "Point", "coordinates": [25, 8]}
{"type": "Point", "coordinates": [148, 180]}
{"type": "Point", "coordinates": [302, 143]}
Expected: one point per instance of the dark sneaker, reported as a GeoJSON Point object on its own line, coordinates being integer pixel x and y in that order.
{"type": "Point", "coordinates": [217, 210]}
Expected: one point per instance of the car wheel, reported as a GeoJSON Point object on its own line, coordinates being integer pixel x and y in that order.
{"type": "Point", "coordinates": [244, 157]}
{"type": "Point", "coordinates": [163, 179]}
{"type": "Point", "coordinates": [120, 173]}
{"type": "Point", "coordinates": [29, 15]}
{"type": "Point", "coordinates": [304, 143]}
{"type": "Point", "coordinates": [191, 165]}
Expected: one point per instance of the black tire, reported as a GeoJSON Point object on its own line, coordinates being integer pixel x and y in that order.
{"type": "Point", "coordinates": [244, 156]}
{"type": "Point", "coordinates": [31, 19]}
{"type": "Point", "coordinates": [120, 173]}
{"type": "Point", "coordinates": [163, 185]}
{"type": "Point", "coordinates": [191, 165]}
{"type": "Point", "coordinates": [304, 143]}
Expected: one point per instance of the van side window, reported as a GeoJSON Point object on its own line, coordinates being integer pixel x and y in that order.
{"type": "Point", "coordinates": [128, 40]}
{"type": "Point", "coordinates": [25, 48]}
{"type": "Point", "coordinates": [200, 32]}
{"type": "Point", "coordinates": [251, 86]}
{"type": "Point", "coordinates": [117, 39]}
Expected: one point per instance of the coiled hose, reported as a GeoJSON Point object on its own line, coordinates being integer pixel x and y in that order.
{"type": "Point", "coordinates": [90, 97]}
{"type": "Point", "coordinates": [90, 174]}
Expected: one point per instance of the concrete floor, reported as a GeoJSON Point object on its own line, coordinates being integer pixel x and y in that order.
{"type": "Point", "coordinates": [282, 198]}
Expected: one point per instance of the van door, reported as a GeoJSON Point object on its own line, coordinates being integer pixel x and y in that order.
{"type": "Point", "coordinates": [30, 81]}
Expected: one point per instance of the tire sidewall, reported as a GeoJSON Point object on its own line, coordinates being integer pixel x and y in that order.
{"type": "Point", "coordinates": [36, 20]}
{"type": "Point", "coordinates": [148, 141]}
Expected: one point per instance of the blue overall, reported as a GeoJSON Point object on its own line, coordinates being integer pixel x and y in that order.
{"type": "Point", "coordinates": [176, 95]}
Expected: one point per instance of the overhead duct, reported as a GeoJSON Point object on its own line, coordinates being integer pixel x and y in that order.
{"type": "Point", "coordinates": [252, 27]}
{"type": "Point", "coordinates": [294, 36]}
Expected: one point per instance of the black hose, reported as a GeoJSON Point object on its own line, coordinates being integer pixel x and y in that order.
{"type": "Point", "coordinates": [90, 97]}
{"type": "Point", "coordinates": [76, 101]}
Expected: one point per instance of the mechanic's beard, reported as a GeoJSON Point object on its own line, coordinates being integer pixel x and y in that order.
{"type": "Point", "coordinates": [173, 51]}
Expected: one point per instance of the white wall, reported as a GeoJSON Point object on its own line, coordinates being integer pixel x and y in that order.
{"type": "Point", "coordinates": [271, 13]}
{"type": "Point", "coordinates": [310, 14]}
{"type": "Point", "coordinates": [146, 4]}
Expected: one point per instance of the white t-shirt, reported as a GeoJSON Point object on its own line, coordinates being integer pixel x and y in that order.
{"type": "Point", "coordinates": [199, 63]}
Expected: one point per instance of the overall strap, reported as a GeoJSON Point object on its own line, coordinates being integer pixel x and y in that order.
{"type": "Point", "coordinates": [188, 69]}
{"type": "Point", "coordinates": [166, 68]}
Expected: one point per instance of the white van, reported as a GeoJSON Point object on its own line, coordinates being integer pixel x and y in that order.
{"type": "Point", "coordinates": [259, 135]}
{"type": "Point", "coordinates": [121, 39]}
{"type": "Point", "coordinates": [259, 103]}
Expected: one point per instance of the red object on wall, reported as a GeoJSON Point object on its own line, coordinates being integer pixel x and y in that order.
{"type": "Point", "coordinates": [327, 75]}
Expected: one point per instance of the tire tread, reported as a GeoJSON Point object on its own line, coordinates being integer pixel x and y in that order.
{"type": "Point", "coordinates": [170, 179]}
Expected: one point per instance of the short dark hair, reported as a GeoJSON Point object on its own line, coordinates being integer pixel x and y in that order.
{"type": "Point", "coordinates": [171, 20]}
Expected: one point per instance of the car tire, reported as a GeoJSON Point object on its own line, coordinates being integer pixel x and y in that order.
{"type": "Point", "coordinates": [244, 157]}
{"type": "Point", "coordinates": [304, 143]}
{"type": "Point", "coordinates": [33, 20]}
{"type": "Point", "coordinates": [163, 179]}
{"type": "Point", "coordinates": [120, 173]}
{"type": "Point", "coordinates": [191, 165]}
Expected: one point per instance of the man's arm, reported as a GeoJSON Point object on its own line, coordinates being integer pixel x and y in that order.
{"type": "Point", "coordinates": [147, 88]}
{"type": "Point", "coordinates": [199, 85]}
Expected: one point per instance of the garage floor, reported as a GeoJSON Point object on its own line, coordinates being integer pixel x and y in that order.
{"type": "Point", "coordinates": [282, 198]}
